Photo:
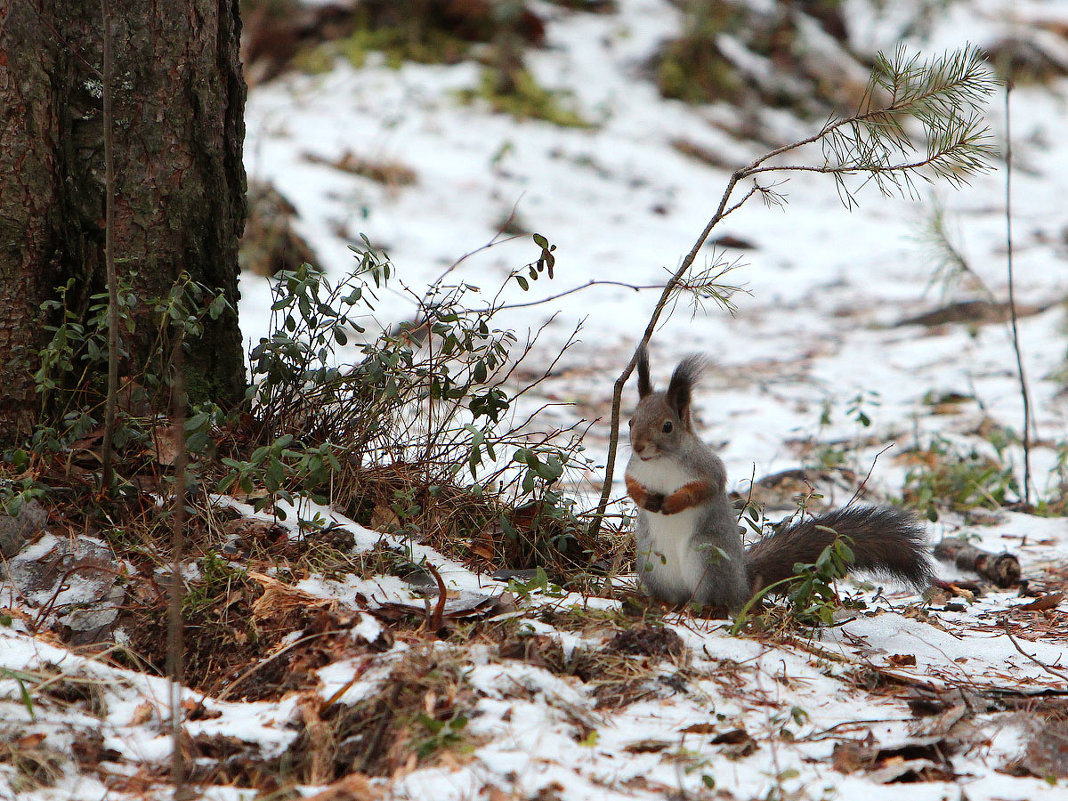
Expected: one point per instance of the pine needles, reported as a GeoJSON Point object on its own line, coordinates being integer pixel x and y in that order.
{"type": "Point", "coordinates": [918, 118]}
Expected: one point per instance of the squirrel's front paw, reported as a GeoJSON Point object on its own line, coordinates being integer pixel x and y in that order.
{"type": "Point", "coordinates": [654, 502]}
{"type": "Point", "coordinates": [649, 501]}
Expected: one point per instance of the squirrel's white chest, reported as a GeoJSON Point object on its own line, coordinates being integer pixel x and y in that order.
{"type": "Point", "coordinates": [658, 475]}
{"type": "Point", "coordinates": [670, 556]}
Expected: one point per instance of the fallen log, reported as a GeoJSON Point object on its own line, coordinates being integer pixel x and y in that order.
{"type": "Point", "coordinates": [1003, 569]}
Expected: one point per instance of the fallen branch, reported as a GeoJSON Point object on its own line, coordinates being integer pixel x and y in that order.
{"type": "Point", "coordinates": [1003, 569]}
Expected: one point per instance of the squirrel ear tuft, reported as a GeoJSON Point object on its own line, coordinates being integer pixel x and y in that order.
{"type": "Point", "coordinates": [680, 389]}
{"type": "Point", "coordinates": [645, 386]}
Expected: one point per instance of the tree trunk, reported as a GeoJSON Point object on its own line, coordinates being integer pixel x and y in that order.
{"type": "Point", "coordinates": [178, 99]}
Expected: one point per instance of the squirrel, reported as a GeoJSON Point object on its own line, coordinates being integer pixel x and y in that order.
{"type": "Point", "coordinates": [689, 543]}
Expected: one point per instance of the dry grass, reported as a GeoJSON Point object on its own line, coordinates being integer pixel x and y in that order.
{"type": "Point", "coordinates": [417, 716]}
{"type": "Point", "coordinates": [392, 174]}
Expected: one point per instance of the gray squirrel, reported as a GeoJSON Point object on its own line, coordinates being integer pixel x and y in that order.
{"type": "Point", "coordinates": [689, 544]}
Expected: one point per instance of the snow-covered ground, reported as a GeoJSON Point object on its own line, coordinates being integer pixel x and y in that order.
{"type": "Point", "coordinates": [623, 205]}
{"type": "Point", "coordinates": [813, 331]}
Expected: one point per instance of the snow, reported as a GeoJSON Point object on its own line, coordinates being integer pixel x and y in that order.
{"type": "Point", "coordinates": [824, 287]}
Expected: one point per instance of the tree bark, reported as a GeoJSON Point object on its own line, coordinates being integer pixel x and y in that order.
{"type": "Point", "coordinates": [178, 99]}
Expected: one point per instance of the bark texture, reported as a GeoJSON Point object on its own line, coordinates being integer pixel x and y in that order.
{"type": "Point", "coordinates": [178, 100]}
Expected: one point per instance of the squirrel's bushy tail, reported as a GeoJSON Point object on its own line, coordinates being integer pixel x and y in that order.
{"type": "Point", "coordinates": [885, 540]}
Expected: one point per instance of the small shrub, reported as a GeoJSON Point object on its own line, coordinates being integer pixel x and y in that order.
{"type": "Point", "coordinates": [949, 476]}
{"type": "Point", "coordinates": [810, 593]}
{"type": "Point", "coordinates": [419, 435]}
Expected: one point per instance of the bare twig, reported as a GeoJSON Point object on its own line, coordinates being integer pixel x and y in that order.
{"type": "Point", "coordinates": [435, 619]}
{"type": "Point", "coordinates": [1003, 569]}
{"type": "Point", "coordinates": [617, 389]}
{"type": "Point", "coordinates": [579, 288]}
{"type": "Point", "coordinates": [1025, 394]}
{"type": "Point", "coordinates": [864, 483]}
{"type": "Point", "coordinates": [333, 699]}
{"type": "Point", "coordinates": [62, 586]}
{"type": "Point", "coordinates": [829, 732]}
{"type": "Point", "coordinates": [109, 253]}
{"type": "Point", "coordinates": [175, 645]}
{"type": "Point", "coordinates": [1016, 645]}
{"type": "Point", "coordinates": [498, 239]}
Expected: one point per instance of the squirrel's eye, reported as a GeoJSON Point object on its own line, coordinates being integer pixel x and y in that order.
{"type": "Point", "coordinates": [667, 427]}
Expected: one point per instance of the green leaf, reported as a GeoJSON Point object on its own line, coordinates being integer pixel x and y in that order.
{"type": "Point", "coordinates": [217, 307]}
{"type": "Point", "coordinates": [196, 421]}
{"type": "Point", "coordinates": [196, 441]}
{"type": "Point", "coordinates": [19, 459]}
{"type": "Point", "coordinates": [274, 476]}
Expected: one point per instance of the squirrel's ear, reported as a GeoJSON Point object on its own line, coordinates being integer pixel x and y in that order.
{"type": "Point", "coordinates": [680, 389]}
{"type": "Point", "coordinates": [645, 386]}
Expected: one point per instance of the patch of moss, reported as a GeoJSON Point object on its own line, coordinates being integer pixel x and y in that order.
{"type": "Point", "coordinates": [521, 96]}
{"type": "Point", "coordinates": [691, 68]}
{"type": "Point", "coordinates": [317, 60]}
{"type": "Point", "coordinates": [423, 45]}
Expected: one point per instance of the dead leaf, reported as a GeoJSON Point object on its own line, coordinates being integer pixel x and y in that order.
{"type": "Point", "coordinates": [466, 605]}
{"type": "Point", "coordinates": [739, 743]}
{"type": "Point", "coordinates": [902, 660]}
{"type": "Point", "coordinates": [132, 399]}
{"type": "Point", "coordinates": [197, 710]}
{"type": "Point", "coordinates": [30, 740]}
{"type": "Point", "coordinates": [732, 737]}
{"type": "Point", "coordinates": [910, 770]}
{"type": "Point", "coordinates": [390, 173]}
{"type": "Point", "coordinates": [165, 444]}
{"type": "Point", "coordinates": [482, 547]}
{"type": "Point", "coordinates": [647, 747]}
{"type": "Point", "coordinates": [88, 441]}
{"type": "Point", "coordinates": [700, 728]}
{"type": "Point", "coordinates": [321, 739]}
{"type": "Point", "coordinates": [1046, 753]}
{"type": "Point", "coordinates": [383, 518]}
{"type": "Point", "coordinates": [1049, 601]}
{"type": "Point", "coordinates": [647, 785]}
{"type": "Point", "coordinates": [143, 713]}
{"type": "Point", "coordinates": [279, 598]}
{"type": "Point", "coordinates": [853, 755]}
